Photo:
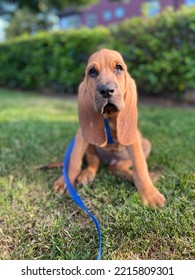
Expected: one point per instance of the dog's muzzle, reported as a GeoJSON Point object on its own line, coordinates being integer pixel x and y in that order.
{"type": "Point", "coordinates": [108, 98]}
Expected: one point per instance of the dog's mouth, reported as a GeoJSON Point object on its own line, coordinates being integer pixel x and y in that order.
{"type": "Point", "coordinates": [109, 108]}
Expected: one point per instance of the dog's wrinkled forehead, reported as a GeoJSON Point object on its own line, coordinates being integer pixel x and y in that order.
{"type": "Point", "coordinates": [104, 58]}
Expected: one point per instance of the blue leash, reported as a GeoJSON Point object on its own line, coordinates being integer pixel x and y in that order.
{"type": "Point", "coordinates": [108, 132]}
{"type": "Point", "coordinates": [72, 191]}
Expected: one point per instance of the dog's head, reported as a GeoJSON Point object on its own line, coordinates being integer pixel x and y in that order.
{"type": "Point", "coordinates": [107, 90]}
{"type": "Point", "coordinates": [105, 79]}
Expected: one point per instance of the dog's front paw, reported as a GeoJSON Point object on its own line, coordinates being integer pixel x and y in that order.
{"type": "Point", "coordinates": [153, 198]}
{"type": "Point", "coordinates": [59, 186]}
{"type": "Point", "coordinates": [86, 176]}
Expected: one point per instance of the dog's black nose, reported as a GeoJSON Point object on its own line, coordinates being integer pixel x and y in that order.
{"type": "Point", "coordinates": [106, 90]}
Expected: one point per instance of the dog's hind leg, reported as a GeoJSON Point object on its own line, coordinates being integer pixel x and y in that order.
{"type": "Point", "coordinates": [122, 169]}
{"type": "Point", "coordinates": [146, 146]}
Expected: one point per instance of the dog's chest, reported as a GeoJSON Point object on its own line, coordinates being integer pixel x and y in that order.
{"type": "Point", "coordinates": [112, 153]}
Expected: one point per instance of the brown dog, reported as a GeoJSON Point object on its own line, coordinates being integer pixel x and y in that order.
{"type": "Point", "coordinates": [109, 91]}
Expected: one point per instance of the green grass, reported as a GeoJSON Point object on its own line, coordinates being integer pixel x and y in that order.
{"type": "Point", "coordinates": [35, 223]}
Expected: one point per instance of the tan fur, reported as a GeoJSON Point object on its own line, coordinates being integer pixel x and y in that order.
{"type": "Point", "coordinates": [130, 149]}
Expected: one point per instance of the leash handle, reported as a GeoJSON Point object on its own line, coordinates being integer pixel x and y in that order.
{"type": "Point", "coordinates": [75, 196]}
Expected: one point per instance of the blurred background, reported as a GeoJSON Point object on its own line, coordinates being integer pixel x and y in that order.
{"type": "Point", "coordinates": [45, 44]}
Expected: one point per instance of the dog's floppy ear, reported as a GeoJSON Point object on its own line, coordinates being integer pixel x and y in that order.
{"type": "Point", "coordinates": [127, 118]}
{"type": "Point", "coordinates": [92, 123]}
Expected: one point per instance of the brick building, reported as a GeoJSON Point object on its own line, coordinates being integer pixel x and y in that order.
{"type": "Point", "coordinates": [107, 12]}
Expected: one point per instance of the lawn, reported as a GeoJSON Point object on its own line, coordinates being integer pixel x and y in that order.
{"type": "Point", "coordinates": [35, 223]}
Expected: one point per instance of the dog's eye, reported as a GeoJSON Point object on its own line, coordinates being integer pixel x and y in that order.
{"type": "Point", "coordinates": [119, 69]}
{"type": "Point", "coordinates": [93, 73]}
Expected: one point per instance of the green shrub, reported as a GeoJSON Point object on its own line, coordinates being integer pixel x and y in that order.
{"type": "Point", "coordinates": [159, 52]}
{"type": "Point", "coordinates": [55, 60]}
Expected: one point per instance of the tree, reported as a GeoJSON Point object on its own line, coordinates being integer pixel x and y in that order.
{"type": "Point", "coordinates": [30, 16]}
{"type": "Point", "coordinates": [7, 7]}
{"type": "Point", "coordinates": [24, 21]}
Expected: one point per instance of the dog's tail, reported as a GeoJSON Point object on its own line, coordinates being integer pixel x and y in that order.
{"type": "Point", "coordinates": [48, 166]}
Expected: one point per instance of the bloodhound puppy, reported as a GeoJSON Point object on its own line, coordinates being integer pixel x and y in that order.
{"type": "Point", "coordinates": [108, 91]}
